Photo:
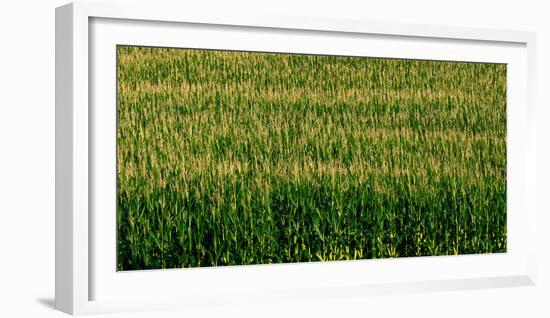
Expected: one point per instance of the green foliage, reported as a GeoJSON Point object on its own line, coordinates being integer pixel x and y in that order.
{"type": "Point", "coordinates": [233, 158]}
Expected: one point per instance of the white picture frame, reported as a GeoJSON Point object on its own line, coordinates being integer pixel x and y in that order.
{"type": "Point", "coordinates": [87, 282]}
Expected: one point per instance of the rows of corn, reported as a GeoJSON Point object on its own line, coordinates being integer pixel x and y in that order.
{"type": "Point", "coordinates": [233, 158]}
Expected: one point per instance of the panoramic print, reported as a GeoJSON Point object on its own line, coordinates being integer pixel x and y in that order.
{"type": "Point", "coordinates": [238, 158]}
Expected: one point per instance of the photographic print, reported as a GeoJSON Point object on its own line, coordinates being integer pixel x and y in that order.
{"type": "Point", "coordinates": [241, 158]}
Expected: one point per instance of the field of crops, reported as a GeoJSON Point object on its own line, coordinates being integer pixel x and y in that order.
{"type": "Point", "coordinates": [233, 158]}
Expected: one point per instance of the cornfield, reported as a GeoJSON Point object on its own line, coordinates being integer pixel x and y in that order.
{"type": "Point", "coordinates": [236, 158]}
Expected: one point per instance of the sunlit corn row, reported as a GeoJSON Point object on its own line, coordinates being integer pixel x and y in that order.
{"type": "Point", "coordinates": [232, 158]}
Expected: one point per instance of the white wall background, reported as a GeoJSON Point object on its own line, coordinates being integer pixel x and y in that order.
{"type": "Point", "coordinates": [27, 158]}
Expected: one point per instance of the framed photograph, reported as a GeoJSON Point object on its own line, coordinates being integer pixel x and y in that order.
{"type": "Point", "coordinates": [204, 159]}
